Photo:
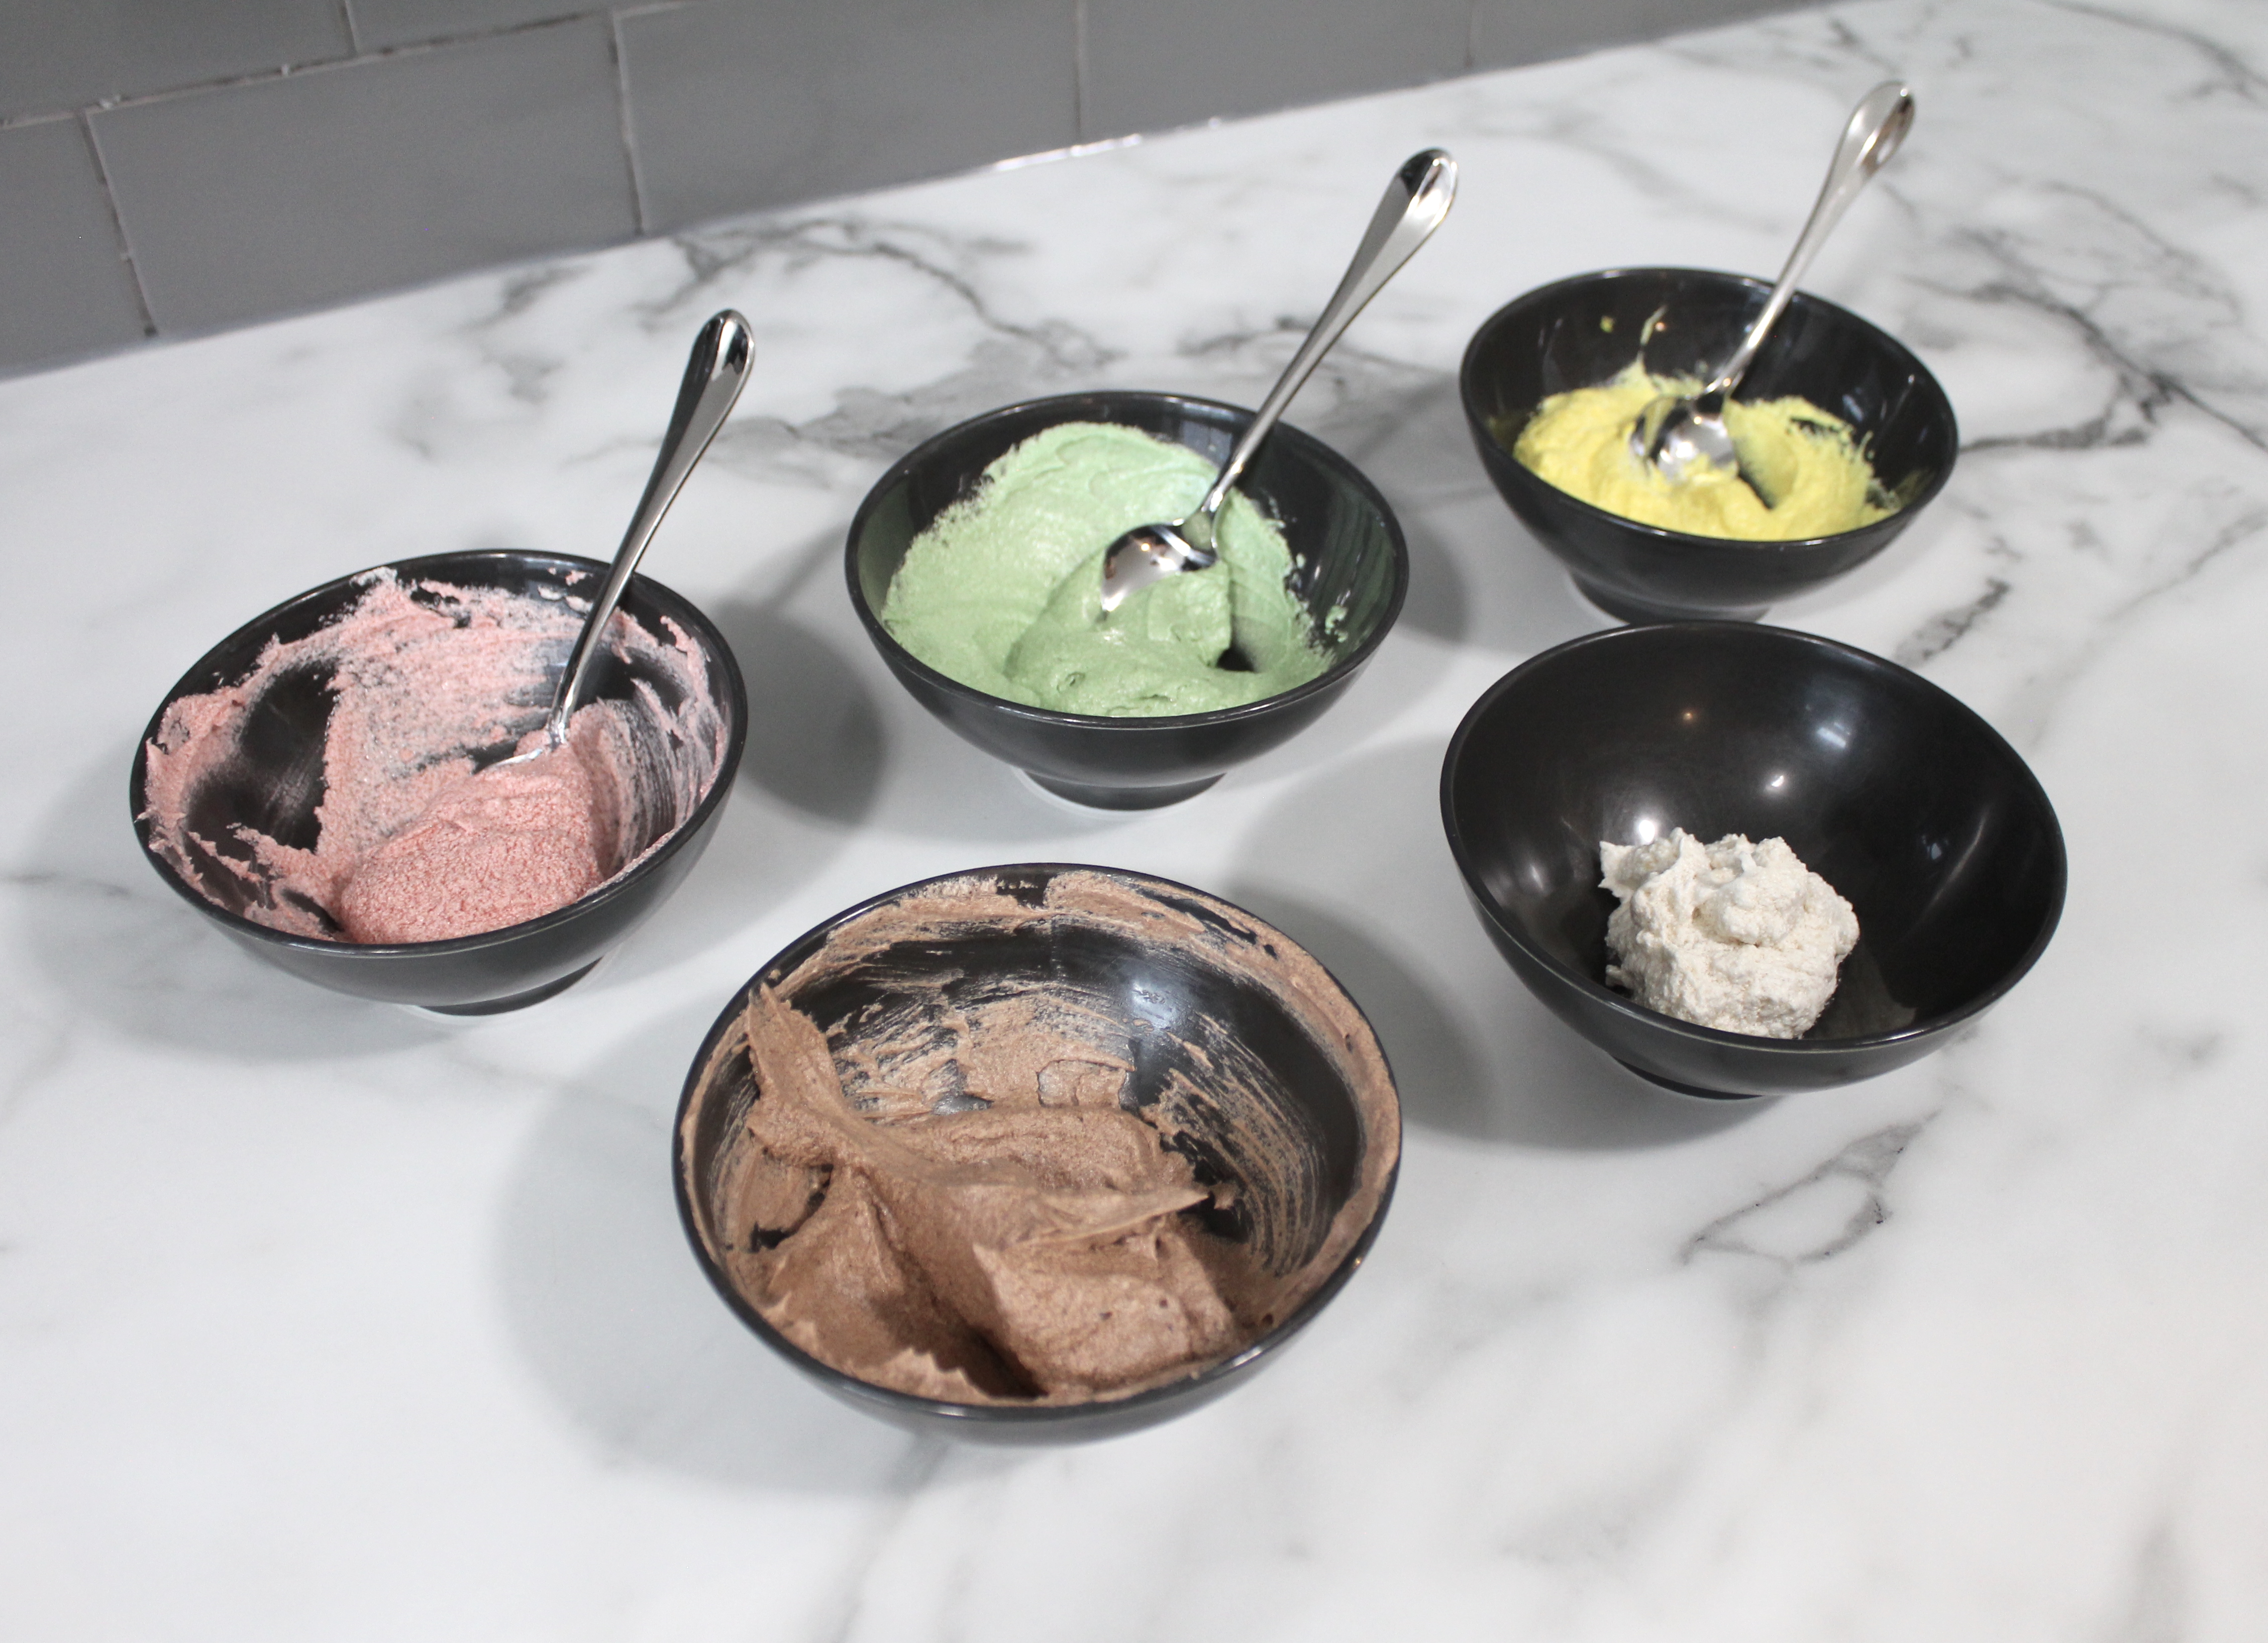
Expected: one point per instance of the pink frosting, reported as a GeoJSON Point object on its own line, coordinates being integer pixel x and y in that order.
{"type": "Point", "coordinates": [415, 844]}
{"type": "Point", "coordinates": [504, 845]}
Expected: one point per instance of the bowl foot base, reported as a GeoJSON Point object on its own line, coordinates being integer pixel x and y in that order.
{"type": "Point", "coordinates": [518, 1000]}
{"type": "Point", "coordinates": [1119, 797]}
{"type": "Point", "coordinates": [1638, 611]}
{"type": "Point", "coordinates": [1694, 1090]}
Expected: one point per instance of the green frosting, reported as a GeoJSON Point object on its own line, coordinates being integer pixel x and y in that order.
{"type": "Point", "coordinates": [1004, 590]}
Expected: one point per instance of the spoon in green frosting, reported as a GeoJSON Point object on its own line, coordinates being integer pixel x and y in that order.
{"type": "Point", "coordinates": [1416, 201]}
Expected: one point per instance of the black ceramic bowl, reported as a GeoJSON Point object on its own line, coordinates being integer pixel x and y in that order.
{"type": "Point", "coordinates": [1580, 332]}
{"type": "Point", "coordinates": [1900, 797]}
{"type": "Point", "coordinates": [275, 780]}
{"type": "Point", "coordinates": [1255, 1063]}
{"type": "Point", "coordinates": [1353, 556]}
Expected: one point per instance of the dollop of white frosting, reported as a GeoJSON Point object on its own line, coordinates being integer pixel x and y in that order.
{"type": "Point", "coordinates": [1732, 935]}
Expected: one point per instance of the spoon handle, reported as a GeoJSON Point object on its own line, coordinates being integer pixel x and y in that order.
{"type": "Point", "coordinates": [1416, 201]}
{"type": "Point", "coordinates": [1877, 126]}
{"type": "Point", "coordinates": [714, 377]}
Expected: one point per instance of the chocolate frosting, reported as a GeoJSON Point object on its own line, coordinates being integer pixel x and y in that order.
{"type": "Point", "coordinates": [1012, 1187]}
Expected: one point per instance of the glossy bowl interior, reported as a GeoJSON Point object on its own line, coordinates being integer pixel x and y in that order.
{"type": "Point", "coordinates": [1900, 797]}
{"type": "Point", "coordinates": [1580, 332]}
{"type": "Point", "coordinates": [1297, 1112]}
{"type": "Point", "coordinates": [275, 781]}
{"type": "Point", "coordinates": [1353, 562]}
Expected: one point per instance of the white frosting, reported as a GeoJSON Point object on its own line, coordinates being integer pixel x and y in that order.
{"type": "Point", "coordinates": [1732, 935]}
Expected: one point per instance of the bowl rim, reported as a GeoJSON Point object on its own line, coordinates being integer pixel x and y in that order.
{"type": "Point", "coordinates": [1029, 1415]}
{"type": "Point", "coordinates": [677, 606]}
{"type": "Point", "coordinates": [1467, 374]}
{"type": "Point", "coordinates": [1322, 683]}
{"type": "Point", "coordinates": [1594, 991]}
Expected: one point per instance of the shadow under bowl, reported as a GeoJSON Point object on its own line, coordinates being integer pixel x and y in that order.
{"type": "Point", "coordinates": [1252, 1061]}
{"type": "Point", "coordinates": [273, 781]}
{"type": "Point", "coordinates": [1352, 570]}
{"type": "Point", "coordinates": [1898, 795]}
{"type": "Point", "coordinates": [1580, 332]}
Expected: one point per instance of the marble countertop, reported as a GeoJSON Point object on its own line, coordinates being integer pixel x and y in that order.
{"type": "Point", "coordinates": [321, 1319]}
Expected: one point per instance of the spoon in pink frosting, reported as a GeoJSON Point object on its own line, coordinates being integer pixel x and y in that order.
{"type": "Point", "coordinates": [714, 376]}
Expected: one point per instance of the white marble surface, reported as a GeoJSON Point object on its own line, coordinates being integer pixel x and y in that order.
{"type": "Point", "coordinates": [326, 1320]}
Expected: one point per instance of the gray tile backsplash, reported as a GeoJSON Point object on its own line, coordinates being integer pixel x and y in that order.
{"type": "Point", "coordinates": [738, 104]}
{"type": "Point", "coordinates": [57, 55]}
{"type": "Point", "coordinates": [253, 158]}
{"type": "Point", "coordinates": [379, 24]}
{"type": "Point", "coordinates": [1508, 33]}
{"type": "Point", "coordinates": [64, 286]}
{"type": "Point", "coordinates": [399, 169]}
{"type": "Point", "coordinates": [1155, 64]}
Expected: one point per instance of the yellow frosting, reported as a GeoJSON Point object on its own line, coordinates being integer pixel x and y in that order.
{"type": "Point", "coordinates": [1803, 472]}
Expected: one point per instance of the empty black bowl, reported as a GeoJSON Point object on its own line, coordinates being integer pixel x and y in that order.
{"type": "Point", "coordinates": [1264, 1074]}
{"type": "Point", "coordinates": [1580, 332]}
{"type": "Point", "coordinates": [275, 780]}
{"type": "Point", "coordinates": [1904, 800]}
{"type": "Point", "coordinates": [1352, 562]}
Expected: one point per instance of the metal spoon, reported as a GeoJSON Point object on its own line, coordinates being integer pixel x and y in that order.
{"type": "Point", "coordinates": [714, 376]}
{"type": "Point", "coordinates": [1416, 201]}
{"type": "Point", "coordinates": [1678, 436]}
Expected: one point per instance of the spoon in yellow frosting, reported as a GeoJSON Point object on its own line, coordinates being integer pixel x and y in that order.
{"type": "Point", "coordinates": [1678, 436]}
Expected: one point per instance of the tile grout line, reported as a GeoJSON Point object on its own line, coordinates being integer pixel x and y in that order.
{"type": "Point", "coordinates": [45, 117]}
{"type": "Point", "coordinates": [359, 59]}
{"type": "Point", "coordinates": [118, 221]}
{"type": "Point", "coordinates": [1079, 70]}
{"type": "Point", "coordinates": [623, 123]}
